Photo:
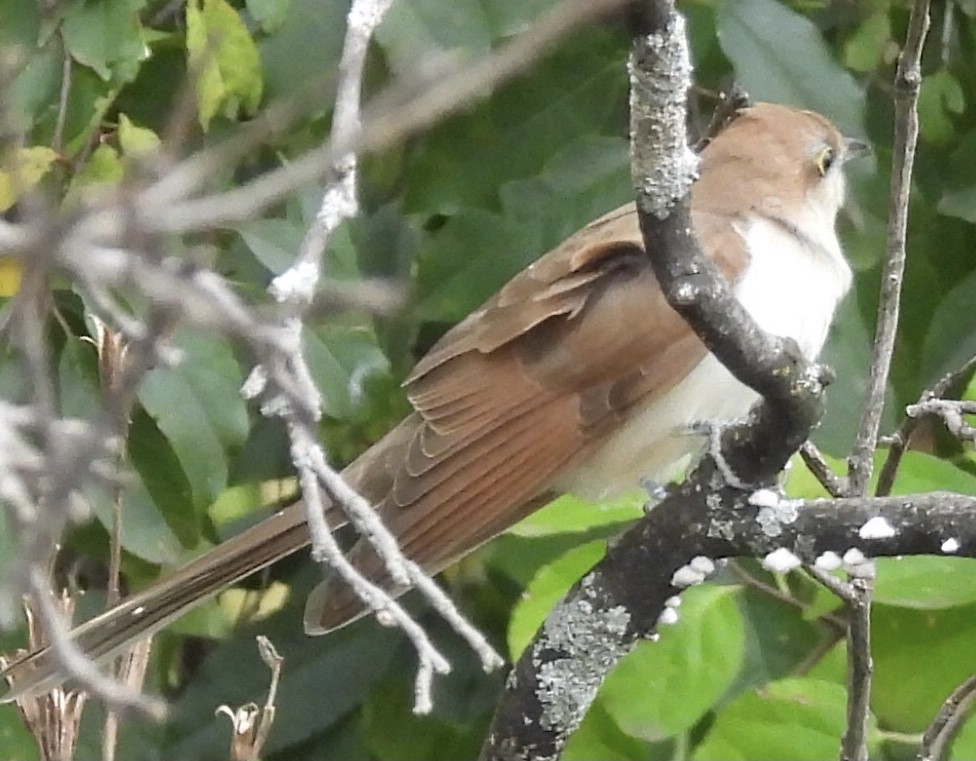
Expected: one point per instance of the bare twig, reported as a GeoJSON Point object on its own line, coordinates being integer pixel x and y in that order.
{"type": "Point", "coordinates": [951, 412]}
{"type": "Point", "coordinates": [908, 79]}
{"type": "Point", "coordinates": [57, 139]}
{"type": "Point", "coordinates": [900, 440]}
{"type": "Point", "coordinates": [941, 732]}
{"type": "Point", "coordinates": [814, 460]}
{"type": "Point", "coordinates": [859, 670]}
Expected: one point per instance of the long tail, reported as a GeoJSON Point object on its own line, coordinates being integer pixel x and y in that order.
{"type": "Point", "coordinates": [168, 599]}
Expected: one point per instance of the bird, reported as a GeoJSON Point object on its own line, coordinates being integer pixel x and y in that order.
{"type": "Point", "coordinates": [575, 377]}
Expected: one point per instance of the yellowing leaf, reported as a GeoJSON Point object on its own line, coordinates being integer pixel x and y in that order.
{"type": "Point", "coordinates": [136, 140]}
{"type": "Point", "coordinates": [23, 172]}
{"type": "Point", "coordinates": [223, 58]}
{"type": "Point", "coordinates": [10, 272]}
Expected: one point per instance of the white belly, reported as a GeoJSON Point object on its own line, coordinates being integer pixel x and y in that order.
{"type": "Point", "coordinates": [789, 290]}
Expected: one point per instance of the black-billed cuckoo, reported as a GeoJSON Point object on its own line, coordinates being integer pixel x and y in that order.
{"type": "Point", "coordinates": [576, 377]}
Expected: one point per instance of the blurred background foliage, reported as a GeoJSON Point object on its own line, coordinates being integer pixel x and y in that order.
{"type": "Point", "coordinates": [754, 669]}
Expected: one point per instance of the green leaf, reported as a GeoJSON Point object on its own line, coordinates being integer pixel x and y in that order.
{"type": "Point", "coordinates": [780, 56]}
{"type": "Point", "coordinates": [105, 35]}
{"type": "Point", "coordinates": [341, 360]}
{"type": "Point", "coordinates": [221, 51]}
{"type": "Point", "coordinates": [163, 478]}
{"type": "Point", "coordinates": [305, 48]}
{"type": "Point", "coordinates": [136, 140]}
{"type": "Point", "coordinates": [951, 340]}
{"type": "Point", "coordinates": [424, 738]}
{"type": "Point", "coordinates": [548, 587]}
{"type": "Point", "coordinates": [964, 746]}
{"type": "Point", "coordinates": [920, 656]}
{"type": "Point", "coordinates": [599, 737]}
{"type": "Point", "coordinates": [415, 33]}
{"type": "Point", "coordinates": [104, 168]}
{"type": "Point", "coordinates": [145, 532]}
{"type": "Point", "coordinates": [798, 719]}
{"type": "Point", "coordinates": [577, 91]}
{"type": "Point", "coordinates": [941, 95]}
{"type": "Point", "coordinates": [462, 263]}
{"type": "Point", "coordinates": [569, 513]}
{"type": "Point", "coordinates": [663, 688]}
{"type": "Point", "coordinates": [198, 406]}
{"type": "Point", "coordinates": [15, 740]}
{"type": "Point", "coordinates": [959, 197]}
{"type": "Point", "coordinates": [233, 674]}
{"type": "Point", "coordinates": [270, 14]}
{"type": "Point", "coordinates": [866, 47]}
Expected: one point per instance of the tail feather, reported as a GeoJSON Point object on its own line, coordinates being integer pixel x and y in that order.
{"type": "Point", "coordinates": [162, 603]}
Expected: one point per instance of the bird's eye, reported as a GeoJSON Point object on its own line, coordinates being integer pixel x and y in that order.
{"type": "Point", "coordinates": [824, 160]}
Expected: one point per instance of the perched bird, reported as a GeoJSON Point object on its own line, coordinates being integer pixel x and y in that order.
{"type": "Point", "coordinates": [575, 377]}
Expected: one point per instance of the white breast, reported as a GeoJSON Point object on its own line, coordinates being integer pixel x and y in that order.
{"type": "Point", "coordinates": [790, 289]}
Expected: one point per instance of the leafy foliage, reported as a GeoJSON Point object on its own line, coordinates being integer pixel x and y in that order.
{"type": "Point", "coordinates": [456, 211]}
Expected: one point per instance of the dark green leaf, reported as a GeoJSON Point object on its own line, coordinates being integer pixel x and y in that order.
{"type": "Point", "coordinates": [270, 14]}
{"type": "Point", "coordinates": [341, 360]}
{"type": "Point", "coordinates": [959, 197]}
{"type": "Point", "coordinates": [198, 406]}
{"type": "Point", "coordinates": [418, 33]}
{"type": "Point", "coordinates": [951, 340]}
{"type": "Point", "coordinates": [780, 56]}
{"type": "Point", "coordinates": [105, 34]}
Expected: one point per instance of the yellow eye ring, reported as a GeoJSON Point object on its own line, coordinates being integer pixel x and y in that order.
{"type": "Point", "coordinates": [824, 160]}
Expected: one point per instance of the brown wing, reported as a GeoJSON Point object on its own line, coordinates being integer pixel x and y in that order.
{"type": "Point", "coordinates": [519, 391]}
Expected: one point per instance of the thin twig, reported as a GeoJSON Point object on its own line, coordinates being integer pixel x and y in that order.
{"type": "Point", "coordinates": [900, 440]}
{"type": "Point", "coordinates": [941, 732]}
{"type": "Point", "coordinates": [859, 671]}
{"type": "Point", "coordinates": [835, 485]}
{"type": "Point", "coordinates": [57, 139]}
{"type": "Point", "coordinates": [951, 412]}
{"type": "Point", "coordinates": [908, 79]}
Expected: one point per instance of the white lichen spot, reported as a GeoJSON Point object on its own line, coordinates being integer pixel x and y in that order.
{"type": "Point", "coordinates": [781, 560]}
{"type": "Point", "coordinates": [673, 602]}
{"type": "Point", "coordinates": [138, 610]}
{"type": "Point", "coordinates": [591, 643]}
{"type": "Point", "coordinates": [685, 293]}
{"type": "Point", "coordinates": [950, 545]}
{"type": "Point", "coordinates": [829, 561]}
{"type": "Point", "coordinates": [695, 572]}
{"type": "Point", "coordinates": [765, 498]}
{"type": "Point", "coordinates": [877, 528]}
{"type": "Point", "coordinates": [296, 284]}
{"type": "Point", "coordinates": [856, 564]}
{"type": "Point", "coordinates": [256, 382]}
{"type": "Point", "coordinates": [853, 556]}
{"type": "Point", "coordinates": [686, 576]}
{"type": "Point", "coordinates": [668, 617]}
{"type": "Point", "coordinates": [774, 510]}
{"type": "Point", "coordinates": [660, 70]}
